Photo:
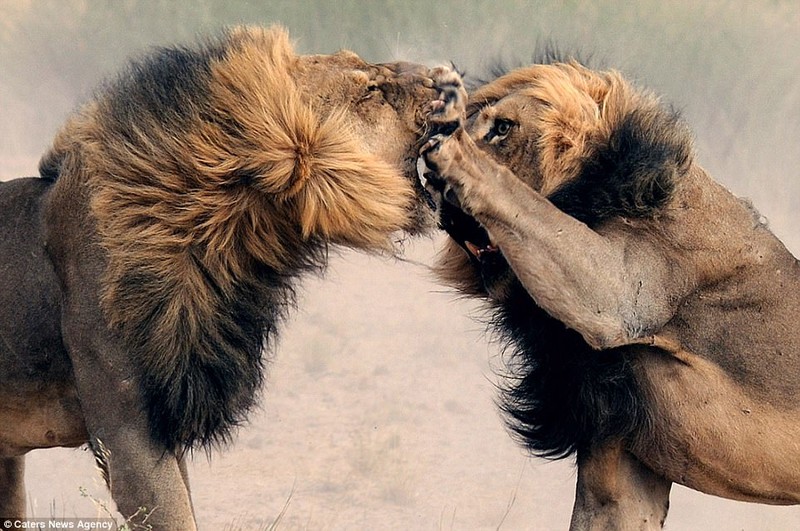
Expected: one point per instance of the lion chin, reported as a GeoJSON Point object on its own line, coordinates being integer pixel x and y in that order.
{"type": "Point", "coordinates": [158, 252]}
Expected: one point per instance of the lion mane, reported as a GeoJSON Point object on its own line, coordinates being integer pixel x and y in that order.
{"type": "Point", "coordinates": [211, 179]}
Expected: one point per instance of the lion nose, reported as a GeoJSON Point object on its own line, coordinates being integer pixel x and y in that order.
{"type": "Point", "coordinates": [406, 68]}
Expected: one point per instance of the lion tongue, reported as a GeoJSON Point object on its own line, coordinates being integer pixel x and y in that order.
{"type": "Point", "coordinates": [478, 251]}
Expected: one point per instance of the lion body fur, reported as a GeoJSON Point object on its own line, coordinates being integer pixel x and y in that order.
{"type": "Point", "coordinates": [648, 310]}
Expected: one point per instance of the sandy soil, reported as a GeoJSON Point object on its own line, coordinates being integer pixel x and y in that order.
{"type": "Point", "coordinates": [379, 414]}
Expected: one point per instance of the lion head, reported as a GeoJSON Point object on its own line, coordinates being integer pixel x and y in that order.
{"type": "Point", "coordinates": [596, 146]}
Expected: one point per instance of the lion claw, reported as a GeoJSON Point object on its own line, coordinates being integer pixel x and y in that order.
{"type": "Point", "coordinates": [432, 145]}
{"type": "Point", "coordinates": [450, 106]}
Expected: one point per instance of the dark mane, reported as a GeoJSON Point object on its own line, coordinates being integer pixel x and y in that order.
{"type": "Point", "coordinates": [197, 320]}
{"type": "Point", "coordinates": [631, 174]}
{"type": "Point", "coordinates": [214, 374]}
{"type": "Point", "coordinates": [561, 395]}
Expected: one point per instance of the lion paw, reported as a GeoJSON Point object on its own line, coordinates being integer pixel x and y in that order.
{"type": "Point", "coordinates": [437, 155]}
{"type": "Point", "coordinates": [430, 151]}
{"type": "Point", "coordinates": [447, 112]}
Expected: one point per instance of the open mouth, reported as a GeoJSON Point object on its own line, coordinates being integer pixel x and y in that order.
{"type": "Point", "coordinates": [467, 232]}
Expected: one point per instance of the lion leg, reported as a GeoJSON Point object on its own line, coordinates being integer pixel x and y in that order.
{"type": "Point", "coordinates": [616, 491]}
{"type": "Point", "coordinates": [593, 283]}
{"type": "Point", "coordinates": [144, 477]}
{"type": "Point", "coordinates": [12, 487]}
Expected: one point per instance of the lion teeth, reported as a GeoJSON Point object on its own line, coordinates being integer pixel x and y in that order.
{"type": "Point", "coordinates": [478, 252]}
{"type": "Point", "coordinates": [473, 249]}
{"type": "Point", "coordinates": [492, 246]}
{"type": "Point", "coordinates": [422, 168]}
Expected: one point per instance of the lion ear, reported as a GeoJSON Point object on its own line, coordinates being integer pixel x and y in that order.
{"type": "Point", "coordinates": [566, 126]}
{"type": "Point", "coordinates": [567, 121]}
{"type": "Point", "coordinates": [632, 159]}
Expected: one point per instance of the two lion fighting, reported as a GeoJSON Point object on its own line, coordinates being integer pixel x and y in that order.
{"type": "Point", "coordinates": [148, 265]}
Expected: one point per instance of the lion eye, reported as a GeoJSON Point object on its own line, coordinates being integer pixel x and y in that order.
{"type": "Point", "coordinates": [372, 89]}
{"type": "Point", "coordinates": [502, 127]}
{"type": "Point", "coordinates": [499, 130]}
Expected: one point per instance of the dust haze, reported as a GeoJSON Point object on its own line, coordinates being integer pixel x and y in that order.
{"type": "Point", "coordinates": [378, 412]}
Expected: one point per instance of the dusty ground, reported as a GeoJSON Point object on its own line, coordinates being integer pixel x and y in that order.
{"type": "Point", "coordinates": [379, 414]}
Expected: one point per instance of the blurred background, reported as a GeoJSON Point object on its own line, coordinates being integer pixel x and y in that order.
{"type": "Point", "coordinates": [379, 408]}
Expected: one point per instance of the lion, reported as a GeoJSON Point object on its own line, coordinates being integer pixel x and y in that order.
{"type": "Point", "coordinates": [158, 250]}
{"type": "Point", "coordinates": [650, 313]}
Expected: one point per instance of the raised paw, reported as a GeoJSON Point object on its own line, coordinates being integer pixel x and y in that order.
{"type": "Point", "coordinates": [438, 155]}
{"type": "Point", "coordinates": [430, 149]}
{"type": "Point", "coordinates": [447, 112]}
